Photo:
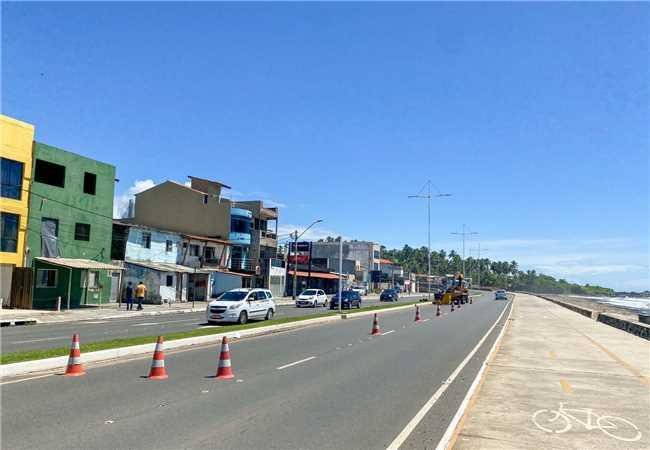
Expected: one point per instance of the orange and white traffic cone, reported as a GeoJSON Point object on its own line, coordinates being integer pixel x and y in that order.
{"type": "Point", "coordinates": [224, 370]}
{"type": "Point", "coordinates": [417, 314]}
{"type": "Point", "coordinates": [158, 371]}
{"type": "Point", "coordinates": [375, 326]}
{"type": "Point", "coordinates": [438, 310]}
{"type": "Point", "coordinates": [74, 368]}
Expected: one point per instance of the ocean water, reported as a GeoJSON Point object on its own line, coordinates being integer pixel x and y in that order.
{"type": "Point", "coordinates": [636, 304]}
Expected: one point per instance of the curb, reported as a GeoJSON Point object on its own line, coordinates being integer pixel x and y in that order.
{"type": "Point", "coordinates": [58, 362]}
{"type": "Point", "coordinates": [18, 322]}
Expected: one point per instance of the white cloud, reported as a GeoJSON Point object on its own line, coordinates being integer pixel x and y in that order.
{"type": "Point", "coordinates": [121, 202]}
{"type": "Point", "coordinates": [255, 195]}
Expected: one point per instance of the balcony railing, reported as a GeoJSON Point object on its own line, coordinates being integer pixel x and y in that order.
{"type": "Point", "coordinates": [243, 264]}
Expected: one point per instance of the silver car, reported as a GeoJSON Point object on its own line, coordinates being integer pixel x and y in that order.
{"type": "Point", "coordinates": [500, 295]}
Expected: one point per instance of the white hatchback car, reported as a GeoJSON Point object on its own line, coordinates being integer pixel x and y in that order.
{"type": "Point", "coordinates": [312, 298]}
{"type": "Point", "coordinates": [240, 305]}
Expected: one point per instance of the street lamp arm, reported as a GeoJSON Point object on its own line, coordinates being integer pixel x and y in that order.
{"type": "Point", "coordinates": [305, 230]}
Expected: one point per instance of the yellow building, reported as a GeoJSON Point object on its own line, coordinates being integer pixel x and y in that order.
{"type": "Point", "coordinates": [16, 140]}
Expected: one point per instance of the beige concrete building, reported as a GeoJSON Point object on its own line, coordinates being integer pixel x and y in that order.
{"type": "Point", "coordinates": [198, 209]}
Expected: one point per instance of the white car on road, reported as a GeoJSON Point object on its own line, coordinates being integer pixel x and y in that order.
{"type": "Point", "coordinates": [312, 298]}
{"type": "Point", "coordinates": [240, 305]}
{"type": "Point", "coordinates": [500, 295]}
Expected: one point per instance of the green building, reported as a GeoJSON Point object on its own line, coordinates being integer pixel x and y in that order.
{"type": "Point", "coordinates": [69, 229]}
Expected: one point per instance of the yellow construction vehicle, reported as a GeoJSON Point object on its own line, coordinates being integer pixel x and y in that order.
{"type": "Point", "coordinates": [455, 290]}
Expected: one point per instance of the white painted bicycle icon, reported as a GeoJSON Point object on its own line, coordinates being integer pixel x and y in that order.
{"type": "Point", "coordinates": [562, 420]}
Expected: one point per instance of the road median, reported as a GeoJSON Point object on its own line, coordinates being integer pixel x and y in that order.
{"type": "Point", "coordinates": [22, 363]}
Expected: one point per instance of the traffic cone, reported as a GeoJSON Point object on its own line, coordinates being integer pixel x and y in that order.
{"type": "Point", "coordinates": [74, 368]}
{"type": "Point", "coordinates": [438, 310]}
{"type": "Point", "coordinates": [375, 326]}
{"type": "Point", "coordinates": [224, 370]}
{"type": "Point", "coordinates": [417, 314]}
{"type": "Point", "coordinates": [158, 371]}
{"type": "Point", "coordinates": [452, 306]}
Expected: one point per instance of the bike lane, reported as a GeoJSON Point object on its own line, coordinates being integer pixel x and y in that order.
{"type": "Point", "coordinates": [560, 380]}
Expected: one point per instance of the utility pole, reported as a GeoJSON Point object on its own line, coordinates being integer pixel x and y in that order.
{"type": "Point", "coordinates": [463, 234]}
{"type": "Point", "coordinates": [480, 264]}
{"type": "Point", "coordinates": [341, 273]}
{"type": "Point", "coordinates": [428, 197]}
{"type": "Point", "coordinates": [296, 236]}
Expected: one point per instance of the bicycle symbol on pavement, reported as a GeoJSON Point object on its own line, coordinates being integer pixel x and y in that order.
{"type": "Point", "coordinates": [563, 419]}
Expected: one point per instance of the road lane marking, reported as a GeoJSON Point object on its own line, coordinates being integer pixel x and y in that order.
{"type": "Point", "coordinates": [95, 322]}
{"type": "Point", "coordinates": [426, 320]}
{"type": "Point", "coordinates": [566, 387]}
{"type": "Point", "coordinates": [26, 379]}
{"type": "Point", "coordinates": [387, 332]}
{"type": "Point", "coordinates": [55, 338]}
{"type": "Point", "coordinates": [145, 324]}
{"type": "Point", "coordinates": [415, 421]}
{"type": "Point", "coordinates": [294, 363]}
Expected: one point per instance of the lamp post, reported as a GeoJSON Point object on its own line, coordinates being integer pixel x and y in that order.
{"type": "Point", "coordinates": [428, 197]}
{"type": "Point", "coordinates": [296, 236]}
{"type": "Point", "coordinates": [463, 234]}
{"type": "Point", "coordinates": [478, 272]}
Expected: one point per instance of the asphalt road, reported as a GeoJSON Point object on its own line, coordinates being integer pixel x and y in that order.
{"type": "Point", "coordinates": [328, 387]}
{"type": "Point", "coordinates": [44, 336]}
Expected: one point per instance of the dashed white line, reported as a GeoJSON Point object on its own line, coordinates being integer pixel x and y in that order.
{"type": "Point", "coordinates": [55, 338]}
{"type": "Point", "coordinates": [426, 320]}
{"type": "Point", "coordinates": [294, 363]}
{"type": "Point", "coordinates": [197, 321]}
{"type": "Point", "coordinates": [387, 332]}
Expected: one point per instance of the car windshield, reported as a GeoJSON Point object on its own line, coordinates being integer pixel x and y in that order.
{"type": "Point", "coordinates": [309, 292]}
{"type": "Point", "coordinates": [233, 296]}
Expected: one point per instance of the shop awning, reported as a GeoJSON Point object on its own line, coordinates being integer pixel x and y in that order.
{"type": "Point", "coordinates": [74, 263]}
{"type": "Point", "coordinates": [321, 275]}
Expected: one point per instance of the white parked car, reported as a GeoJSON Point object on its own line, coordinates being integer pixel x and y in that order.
{"type": "Point", "coordinates": [240, 305]}
{"type": "Point", "coordinates": [361, 290]}
{"type": "Point", "coordinates": [312, 298]}
{"type": "Point", "coordinates": [500, 295]}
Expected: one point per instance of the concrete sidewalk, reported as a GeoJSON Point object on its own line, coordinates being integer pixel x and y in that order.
{"type": "Point", "coordinates": [552, 359]}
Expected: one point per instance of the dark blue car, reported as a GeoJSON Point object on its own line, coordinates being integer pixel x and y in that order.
{"type": "Point", "coordinates": [351, 299]}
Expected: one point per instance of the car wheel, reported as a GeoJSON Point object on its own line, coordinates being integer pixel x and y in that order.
{"type": "Point", "coordinates": [359, 305]}
{"type": "Point", "coordinates": [269, 314]}
{"type": "Point", "coordinates": [243, 318]}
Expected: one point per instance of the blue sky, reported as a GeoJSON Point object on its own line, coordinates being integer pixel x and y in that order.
{"type": "Point", "coordinates": [534, 116]}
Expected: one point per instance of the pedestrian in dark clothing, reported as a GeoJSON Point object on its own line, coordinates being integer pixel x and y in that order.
{"type": "Point", "coordinates": [129, 297]}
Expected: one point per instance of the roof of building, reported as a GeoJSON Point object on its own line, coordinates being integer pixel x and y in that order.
{"type": "Point", "coordinates": [386, 261]}
{"type": "Point", "coordinates": [209, 181]}
{"type": "Point", "coordinates": [322, 275]}
{"type": "Point", "coordinates": [166, 267]}
{"type": "Point", "coordinates": [76, 263]}
{"type": "Point", "coordinates": [205, 238]}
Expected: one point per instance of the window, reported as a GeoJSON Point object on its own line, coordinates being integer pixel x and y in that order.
{"type": "Point", "coordinates": [49, 237]}
{"type": "Point", "coordinates": [49, 173]}
{"type": "Point", "coordinates": [375, 254]}
{"type": "Point", "coordinates": [205, 199]}
{"type": "Point", "coordinates": [168, 245]}
{"type": "Point", "coordinates": [146, 239]}
{"type": "Point", "coordinates": [46, 278]}
{"type": "Point", "coordinates": [169, 282]}
{"type": "Point", "coordinates": [9, 232]}
{"type": "Point", "coordinates": [93, 279]}
{"type": "Point", "coordinates": [90, 183]}
{"type": "Point", "coordinates": [12, 179]}
{"type": "Point", "coordinates": [209, 252]}
{"type": "Point", "coordinates": [81, 231]}
{"type": "Point", "coordinates": [240, 225]}
{"type": "Point", "coordinates": [194, 250]}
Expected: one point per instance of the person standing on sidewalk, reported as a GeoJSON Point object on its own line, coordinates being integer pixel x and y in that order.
{"type": "Point", "coordinates": [140, 292]}
{"type": "Point", "coordinates": [129, 297]}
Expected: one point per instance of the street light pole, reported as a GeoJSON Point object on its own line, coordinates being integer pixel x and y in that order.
{"type": "Point", "coordinates": [295, 255]}
{"type": "Point", "coordinates": [341, 273]}
{"type": "Point", "coordinates": [428, 197]}
{"type": "Point", "coordinates": [463, 234]}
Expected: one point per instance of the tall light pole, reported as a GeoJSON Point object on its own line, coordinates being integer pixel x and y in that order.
{"type": "Point", "coordinates": [428, 197]}
{"type": "Point", "coordinates": [341, 273]}
{"type": "Point", "coordinates": [463, 234]}
{"type": "Point", "coordinates": [478, 273]}
{"type": "Point", "coordinates": [296, 236]}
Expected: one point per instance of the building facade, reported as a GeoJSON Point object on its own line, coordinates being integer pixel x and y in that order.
{"type": "Point", "coordinates": [70, 217]}
{"type": "Point", "coordinates": [16, 140]}
{"type": "Point", "coordinates": [360, 258]}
